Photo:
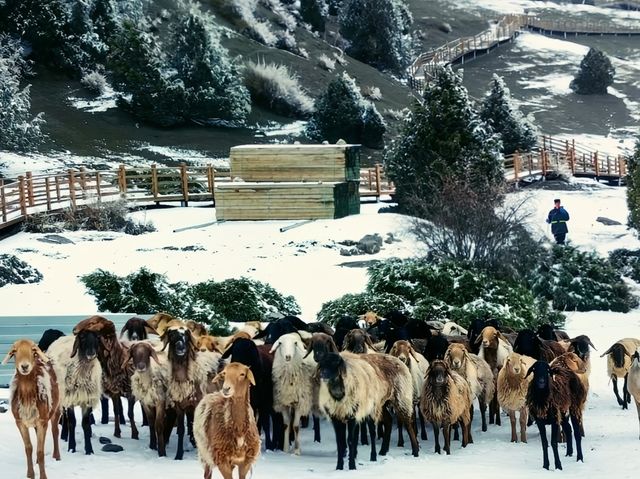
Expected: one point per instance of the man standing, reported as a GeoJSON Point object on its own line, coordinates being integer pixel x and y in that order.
{"type": "Point", "coordinates": [558, 218]}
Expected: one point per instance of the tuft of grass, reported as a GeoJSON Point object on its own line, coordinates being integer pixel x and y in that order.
{"type": "Point", "coordinates": [326, 63]}
{"type": "Point", "coordinates": [372, 93]}
{"type": "Point", "coordinates": [95, 82]}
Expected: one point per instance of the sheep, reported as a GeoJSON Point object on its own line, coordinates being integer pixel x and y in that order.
{"type": "Point", "coordinates": [580, 345]}
{"type": "Point", "coordinates": [512, 391]}
{"type": "Point", "coordinates": [452, 329]}
{"type": "Point", "coordinates": [225, 429]}
{"type": "Point", "coordinates": [48, 338]}
{"type": "Point", "coordinates": [475, 330]}
{"type": "Point", "coordinates": [159, 322]}
{"type": "Point", "coordinates": [208, 343]}
{"type": "Point", "coordinates": [445, 400]}
{"type": "Point", "coordinates": [359, 342]}
{"type": "Point", "coordinates": [197, 329]}
{"type": "Point", "coordinates": [436, 347]}
{"type": "Point", "coordinates": [149, 385]}
{"type": "Point", "coordinates": [35, 400]}
{"type": "Point", "coordinates": [548, 332]}
{"type": "Point", "coordinates": [529, 344]}
{"type": "Point", "coordinates": [618, 364]}
{"type": "Point", "coordinates": [79, 374]}
{"type": "Point", "coordinates": [136, 329]}
{"type": "Point", "coordinates": [343, 326]}
{"type": "Point", "coordinates": [634, 380]}
{"type": "Point", "coordinates": [294, 387]}
{"type": "Point", "coordinates": [477, 372]}
{"type": "Point", "coordinates": [320, 327]}
{"type": "Point", "coordinates": [418, 366]}
{"type": "Point", "coordinates": [189, 373]}
{"type": "Point", "coordinates": [319, 345]}
{"type": "Point", "coordinates": [494, 349]}
{"type": "Point", "coordinates": [275, 329]}
{"type": "Point", "coordinates": [355, 388]}
{"type": "Point", "coordinates": [555, 396]}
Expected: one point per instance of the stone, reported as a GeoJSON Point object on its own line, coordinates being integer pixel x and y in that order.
{"type": "Point", "coordinates": [607, 221]}
{"type": "Point", "coordinates": [55, 239]}
{"type": "Point", "coordinates": [370, 244]}
{"type": "Point", "coordinates": [112, 448]}
{"type": "Point", "coordinates": [104, 440]}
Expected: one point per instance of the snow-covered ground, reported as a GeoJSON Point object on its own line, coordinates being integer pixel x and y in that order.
{"type": "Point", "coordinates": [305, 262]}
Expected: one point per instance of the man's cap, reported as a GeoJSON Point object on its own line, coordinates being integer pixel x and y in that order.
{"type": "Point", "coordinates": [557, 200]}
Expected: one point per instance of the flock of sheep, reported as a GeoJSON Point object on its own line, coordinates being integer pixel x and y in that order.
{"type": "Point", "coordinates": [362, 375]}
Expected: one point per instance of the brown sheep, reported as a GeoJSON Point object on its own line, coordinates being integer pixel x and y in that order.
{"type": "Point", "coordinates": [224, 425]}
{"type": "Point", "coordinates": [197, 329]}
{"type": "Point", "coordinates": [34, 400]}
{"type": "Point", "coordinates": [512, 391]}
{"type": "Point", "coordinates": [159, 321]}
{"type": "Point", "coordinates": [494, 349]}
{"type": "Point", "coordinates": [208, 343]}
{"type": "Point", "coordinates": [445, 401]}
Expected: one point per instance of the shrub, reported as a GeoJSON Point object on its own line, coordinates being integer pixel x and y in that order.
{"type": "Point", "coordinates": [261, 33]}
{"type": "Point", "coordinates": [356, 304]}
{"type": "Point", "coordinates": [626, 262]}
{"type": "Point", "coordinates": [95, 82]}
{"type": "Point", "coordinates": [595, 74]}
{"type": "Point", "coordinates": [633, 188]}
{"type": "Point", "coordinates": [43, 223]}
{"type": "Point", "coordinates": [581, 281]}
{"type": "Point", "coordinates": [372, 93]}
{"type": "Point", "coordinates": [276, 88]}
{"type": "Point", "coordinates": [326, 63]}
{"type": "Point", "coordinates": [314, 12]}
{"type": "Point", "coordinates": [15, 271]}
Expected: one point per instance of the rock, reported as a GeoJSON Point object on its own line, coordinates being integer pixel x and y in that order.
{"type": "Point", "coordinates": [370, 244]}
{"type": "Point", "coordinates": [15, 271]}
{"type": "Point", "coordinates": [55, 239]}
{"type": "Point", "coordinates": [607, 221]}
{"type": "Point", "coordinates": [391, 239]}
{"type": "Point", "coordinates": [112, 448]}
{"type": "Point", "coordinates": [3, 409]}
{"type": "Point", "coordinates": [104, 440]}
{"type": "Point", "coordinates": [353, 251]}
{"type": "Point", "coordinates": [444, 27]}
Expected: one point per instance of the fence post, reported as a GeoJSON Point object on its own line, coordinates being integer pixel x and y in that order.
{"type": "Point", "coordinates": [211, 174]}
{"type": "Point", "coordinates": [22, 196]}
{"type": "Point", "coordinates": [572, 161]}
{"type": "Point", "coordinates": [516, 161]}
{"type": "Point", "coordinates": [378, 180]}
{"type": "Point", "coordinates": [57, 178]}
{"type": "Point", "coordinates": [48, 193]}
{"type": "Point", "coordinates": [154, 181]}
{"type": "Point", "coordinates": [185, 183]}
{"type": "Point", "coordinates": [122, 181]}
{"type": "Point", "coordinates": [608, 165]}
{"type": "Point", "coordinates": [83, 178]}
{"type": "Point", "coordinates": [623, 166]}
{"type": "Point", "coordinates": [3, 201]}
{"type": "Point", "coordinates": [98, 187]}
{"type": "Point", "coordinates": [72, 189]}
{"type": "Point", "coordinates": [29, 184]}
{"type": "Point", "coordinates": [595, 163]}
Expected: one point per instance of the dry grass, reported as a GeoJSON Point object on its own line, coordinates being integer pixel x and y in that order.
{"type": "Point", "coordinates": [372, 93]}
{"type": "Point", "coordinates": [326, 63]}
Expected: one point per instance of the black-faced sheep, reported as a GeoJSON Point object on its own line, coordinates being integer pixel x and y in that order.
{"type": "Point", "coordinates": [618, 364]}
{"type": "Point", "coordinates": [436, 347]}
{"type": "Point", "coordinates": [224, 425]}
{"type": "Point", "coordinates": [529, 344]}
{"type": "Point", "coordinates": [513, 384]}
{"type": "Point", "coordinates": [555, 396]}
{"type": "Point", "coordinates": [136, 329]}
{"type": "Point", "coordinates": [359, 342]}
{"type": "Point", "coordinates": [548, 332]}
{"type": "Point", "coordinates": [446, 401]}
{"type": "Point", "coordinates": [343, 326]}
{"type": "Point", "coordinates": [34, 400]}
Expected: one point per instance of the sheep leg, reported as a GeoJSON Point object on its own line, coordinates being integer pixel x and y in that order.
{"type": "Point", "coordinates": [316, 428]}
{"type": "Point", "coordinates": [121, 406]}
{"type": "Point", "coordinates": [496, 408]}
{"type": "Point", "coordinates": [226, 470]}
{"type": "Point", "coordinates": [387, 421]}
{"type": "Point", "coordinates": [207, 471]}
{"type": "Point", "coordinates": [446, 432]}
{"type": "Point", "coordinates": [145, 419]}
{"type": "Point", "coordinates": [104, 407]}
{"type": "Point", "coordinates": [555, 429]}
{"type": "Point", "coordinates": [423, 428]}
{"type": "Point", "coordinates": [296, 431]}
{"type": "Point", "coordinates": [264, 423]}
{"type": "Point", "coordinates": [483, 413]}
{"type": "Point", "coordinates": [456, 433]}
{"type": "Point", "coordinates": [364, 439]}
{"type": "Point", "coordinates": [544, 442]}
{"type": "Point", "coordinates": [64, 434]}
{"type": "Point", "coordinates": [243, 469]}
{"type": "Point", "coordinates": [400, 435]}
{"type": "Point", "coordinates": [41, 434]}
{"type": "Point", "coordinates": [180, 427]}
{"type": "Point", "coordinates": [134, 430]}
{"type": "Point", "coordinates": [566, 429]}
{"type": "Point", "coordinates": [341, 441]}
{"type": "Point", "coordinates": [371, 425]}
{"type": "Point", "coordinates": [28, 448]}
{"type": "Point", "coordinates": [286, 418]}
{"type": "Point", "coordinates": [189, 413]}
{"type": "Point", "coordinates": [512, 419]}
{"type": "Point", "coordinates": [55, 430]}
{"type": "Point", "coordinates": [524, 413]}
{"type": "Point", "coordinates": [575, 421]}
{"type": "Point", "coordinates": [278, 427]}
{"type": "Point", "coordinates": [436, 434]}
{"type": "Point", "coordinates": [86, 429]}
{"type": "Point", "coordinates": [71, 422]}
{"type": "Point", "coordinates": [352, 438]}
{"type": "Point", "coordinates": [638, 408]}
{"type": "Point", "coordinates": [117, 413]}
{"type": "Point", "coordinates": [153, 434]}
{"type": "Point", "coordinates": [159, 420]}
{"type": "Point", "coordinates": [615, 391]}
{"type": "Point", "coordinates": [625, 392]}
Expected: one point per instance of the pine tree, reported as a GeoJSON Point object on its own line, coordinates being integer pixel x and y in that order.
{"type": "Point", "coordinates": [378, 32]}
{"type": "Point", "coordinates": [444, 140]}
{"type": "Point", "coordinates": [633, 188]}
{"type": "Point", "coordinates": [105, 19]}
{"type": "Point", "coordinates": [373, 127]}
{"type": "Point", "coordinates": [314, 12]}
{"type": "Point", "coordinates": [19, 131]}
{"type": "Point", "coordinates": [595, 74]}
{"type": "Point", "coordinates": [213, 84]}
{"type": "Point", "coordinates": [503, 116]}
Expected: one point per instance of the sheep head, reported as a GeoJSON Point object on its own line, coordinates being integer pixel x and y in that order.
{"type": "Point", "coordinates": [86, 345]}
{"type": "Point", "coordinates": [97, 324]}
{"type": "Point", "coordinates": [140, 355]}
{"type": "Point", "coordinates": [438, 373]}
{"type": "Point", "coordinates": [332, 369]}
{"type": "Point", "coordinates": [580, 345]}
{"type": "Point", "coordinates": [321, 344]}
{"type": "Point", "coordinates": [181, 343]}
{"type": "Point", "coordinates": [197, 329]}
{"type": "Point", "coordinates": [136, 329]}
{"type": "Point", "coordinates": [289, 346]}
{"type": "Point", "coordinates": [26, 353]}
{"type": "Point", "coordinates": [236, 378]}
{"type": "Point", "coordinates": [490, 337]}
{"type": "Point", "coordinates": [207, 343]}
{"type": "Point", "coordinates": [357, 341]}
{"type": "Point", "coordinates": [542, 374]}
{"type": "Point", "coordinates": [618, 353]}
{"type": "Point", "coordinates": [516, 364]}
{"type": "Point", "coordinates": [403, 350]}
{"type": "Point", "coordinates": [369, 319]}
{"type": "Point", "coordinates": [456, 356]}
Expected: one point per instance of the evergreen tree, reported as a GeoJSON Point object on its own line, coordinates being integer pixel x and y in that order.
{"type": "Point", "coordinates": [378, 32]}
{"type": "Point", "coordinates": [503, 116]}
{"type": "Point", "coordinates": [213, 85]}
{"type": "Point", "coordinates": [105, 19]}
{"type": "Point", "coordinates": [19, 131]}
{"type": "Point", "coordinates": [444, 141]}
{"type": "Point", "coordinates": [595, 74]}
{"type": "Point", "coordinates": [314, 12]}
{"type": "Point", "coordinates": [633, 188]}
{"type": "Point", "coordinates": [373, 127]}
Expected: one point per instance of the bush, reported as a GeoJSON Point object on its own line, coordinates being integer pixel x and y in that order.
{"type": "Point", "coordinates": [95, 82]}
{"type": "Point", "coordinates": [43, 223]}
{"type": "Point", "coordinates": [356, 304]}
{"type": "Point", "coordinates": [626, 262]}
{"type": "Point", "coordinates": [326, 63]}
{"type": "Point", "coordinates": [633, 188]}
{"type": "Point", "coordinates": [15, 271]}
{"type": "Point", "coordinates": [372, 93]}
{"type": "Point", "coordinates": [595, 74]}
{"type": "Point", "coordinates": [581, 281]}
{"type": "Point", "coordinates": [276, 88]}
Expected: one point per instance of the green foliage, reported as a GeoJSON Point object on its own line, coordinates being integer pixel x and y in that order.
{"type": "Point", "coordinates": [378, 32]}
{"type": "Point", "coordinates": [633, 188]}
{"type": "Point", "coordinates": [356, 304]}
{"type": "Point", "coordinates": [15, 271]}
{"type": "Point", "coordinates": [626, 262]}
{"type": "Point", "coordinates": [341, 113]}
{"type": "Point", "coordinates": [503, 116]}
{"type": "Point", "coordinates": [581, 281]}
{"type": "Point", "coordinates": [595, 74]}
{"type": "Point", "coordinates": [214, 303]}
{"type": "Point", "coordinates": [314, 12]}
{"type": "Point", "coordinates": [443, 140]}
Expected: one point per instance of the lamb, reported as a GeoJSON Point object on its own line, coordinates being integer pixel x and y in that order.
{"type": "Point", "coordinates": [418, 366]}
{"type": "Point", "coordinates": [477, 372]}
{"type": "Point", "coordinates": [225, 429]}
{"type": "Point", "coordinates": [355, 388]}
{"type": "Point", "coordinates": [555, 396]}
{"type": "Point", "coordinates": [149, 385]}
{"type": "Point", "coordinates": [35, 400]}
{"type": "Point", "coordinates": [618, 364]}
{"type": "Point", "coordinates": [634, 380]}
{"type": "Point", "coordinates": [294, 388]}
{"type": "Point", "coordinates": [513, 385]}
{"type": "Point", "coordinates": [494, 349]}
{"type": "Point", "coordinates": [446, 400]}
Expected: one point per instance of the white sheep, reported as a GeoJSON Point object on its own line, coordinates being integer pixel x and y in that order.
{"type": "Point", "coordinates": [634, 381]}
{"type": "Point", "coordinates": [618, 364]}
{"type": "Point", "coordinates": [513, 384]}
{"type": "Point", "coordinates": [293, 384]}
{"type": "Point", "coordinates": [453, 329]}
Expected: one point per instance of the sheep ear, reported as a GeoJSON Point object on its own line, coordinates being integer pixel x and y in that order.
{"type": "Point", "coordinates": [275, 346]}
{"type": "Point", "coordinates": [309, 348]}
{"type": "Point", "coordinates": [126, 356]}
{"type": "Point", "coordinates": [393, 350]}
{"type": "Point", "coordinates": [124, 328]}
{"type": "Point", "coordinates": [227, 352]}
{"type": "Point", "coordinates": [333, 347]}
{"type": "Point", "coordinates": [252, 380]}
{"type": "Point", "coordinates": [413, 354]}
{"type": "Point", "coordinates": [37, 352]}
{"type": "Point", "coordinates": [503, 337]}
{"type": "Point", "coordinates": [606, 352]}
{"type": "Point", "coordinates": [530, 370]}
{"type": "Point", "coordinates": [9, 355]}
{"type": "Point", "coordinates": [478, 339]}
{"type": "Point", "coordinates": [74, 350]}
{"type": "Point", "coordinates": [367, 339]}
{"type": "Point", "coordinates": [591, 344]}
{"type": "Point", "coordinates": [105, 343]}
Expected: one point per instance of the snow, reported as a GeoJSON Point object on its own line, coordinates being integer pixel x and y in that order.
{"type": "Point", "coordinates": [101, 103]}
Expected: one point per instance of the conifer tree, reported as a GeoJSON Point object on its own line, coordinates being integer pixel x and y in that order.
{"type": "Point", "coordinates": [503, 116]}
{"type": "Point", "coordinates": [595, 74]}
{"type": "Point", "coordinates": [633, 188]}
{"type": "Point", "coordinates": [314, 12]}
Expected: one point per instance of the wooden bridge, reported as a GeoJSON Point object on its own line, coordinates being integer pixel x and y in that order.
{"type": "Point", "coordinates": [504, 30]}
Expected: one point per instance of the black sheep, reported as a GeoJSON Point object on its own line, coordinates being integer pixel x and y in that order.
{"type": "Point", "coordinates": [343, 326]}
{"type": "Point", "coordinates": [436, 347]}
{"type": "Point", "coordinates": [48, 337]}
